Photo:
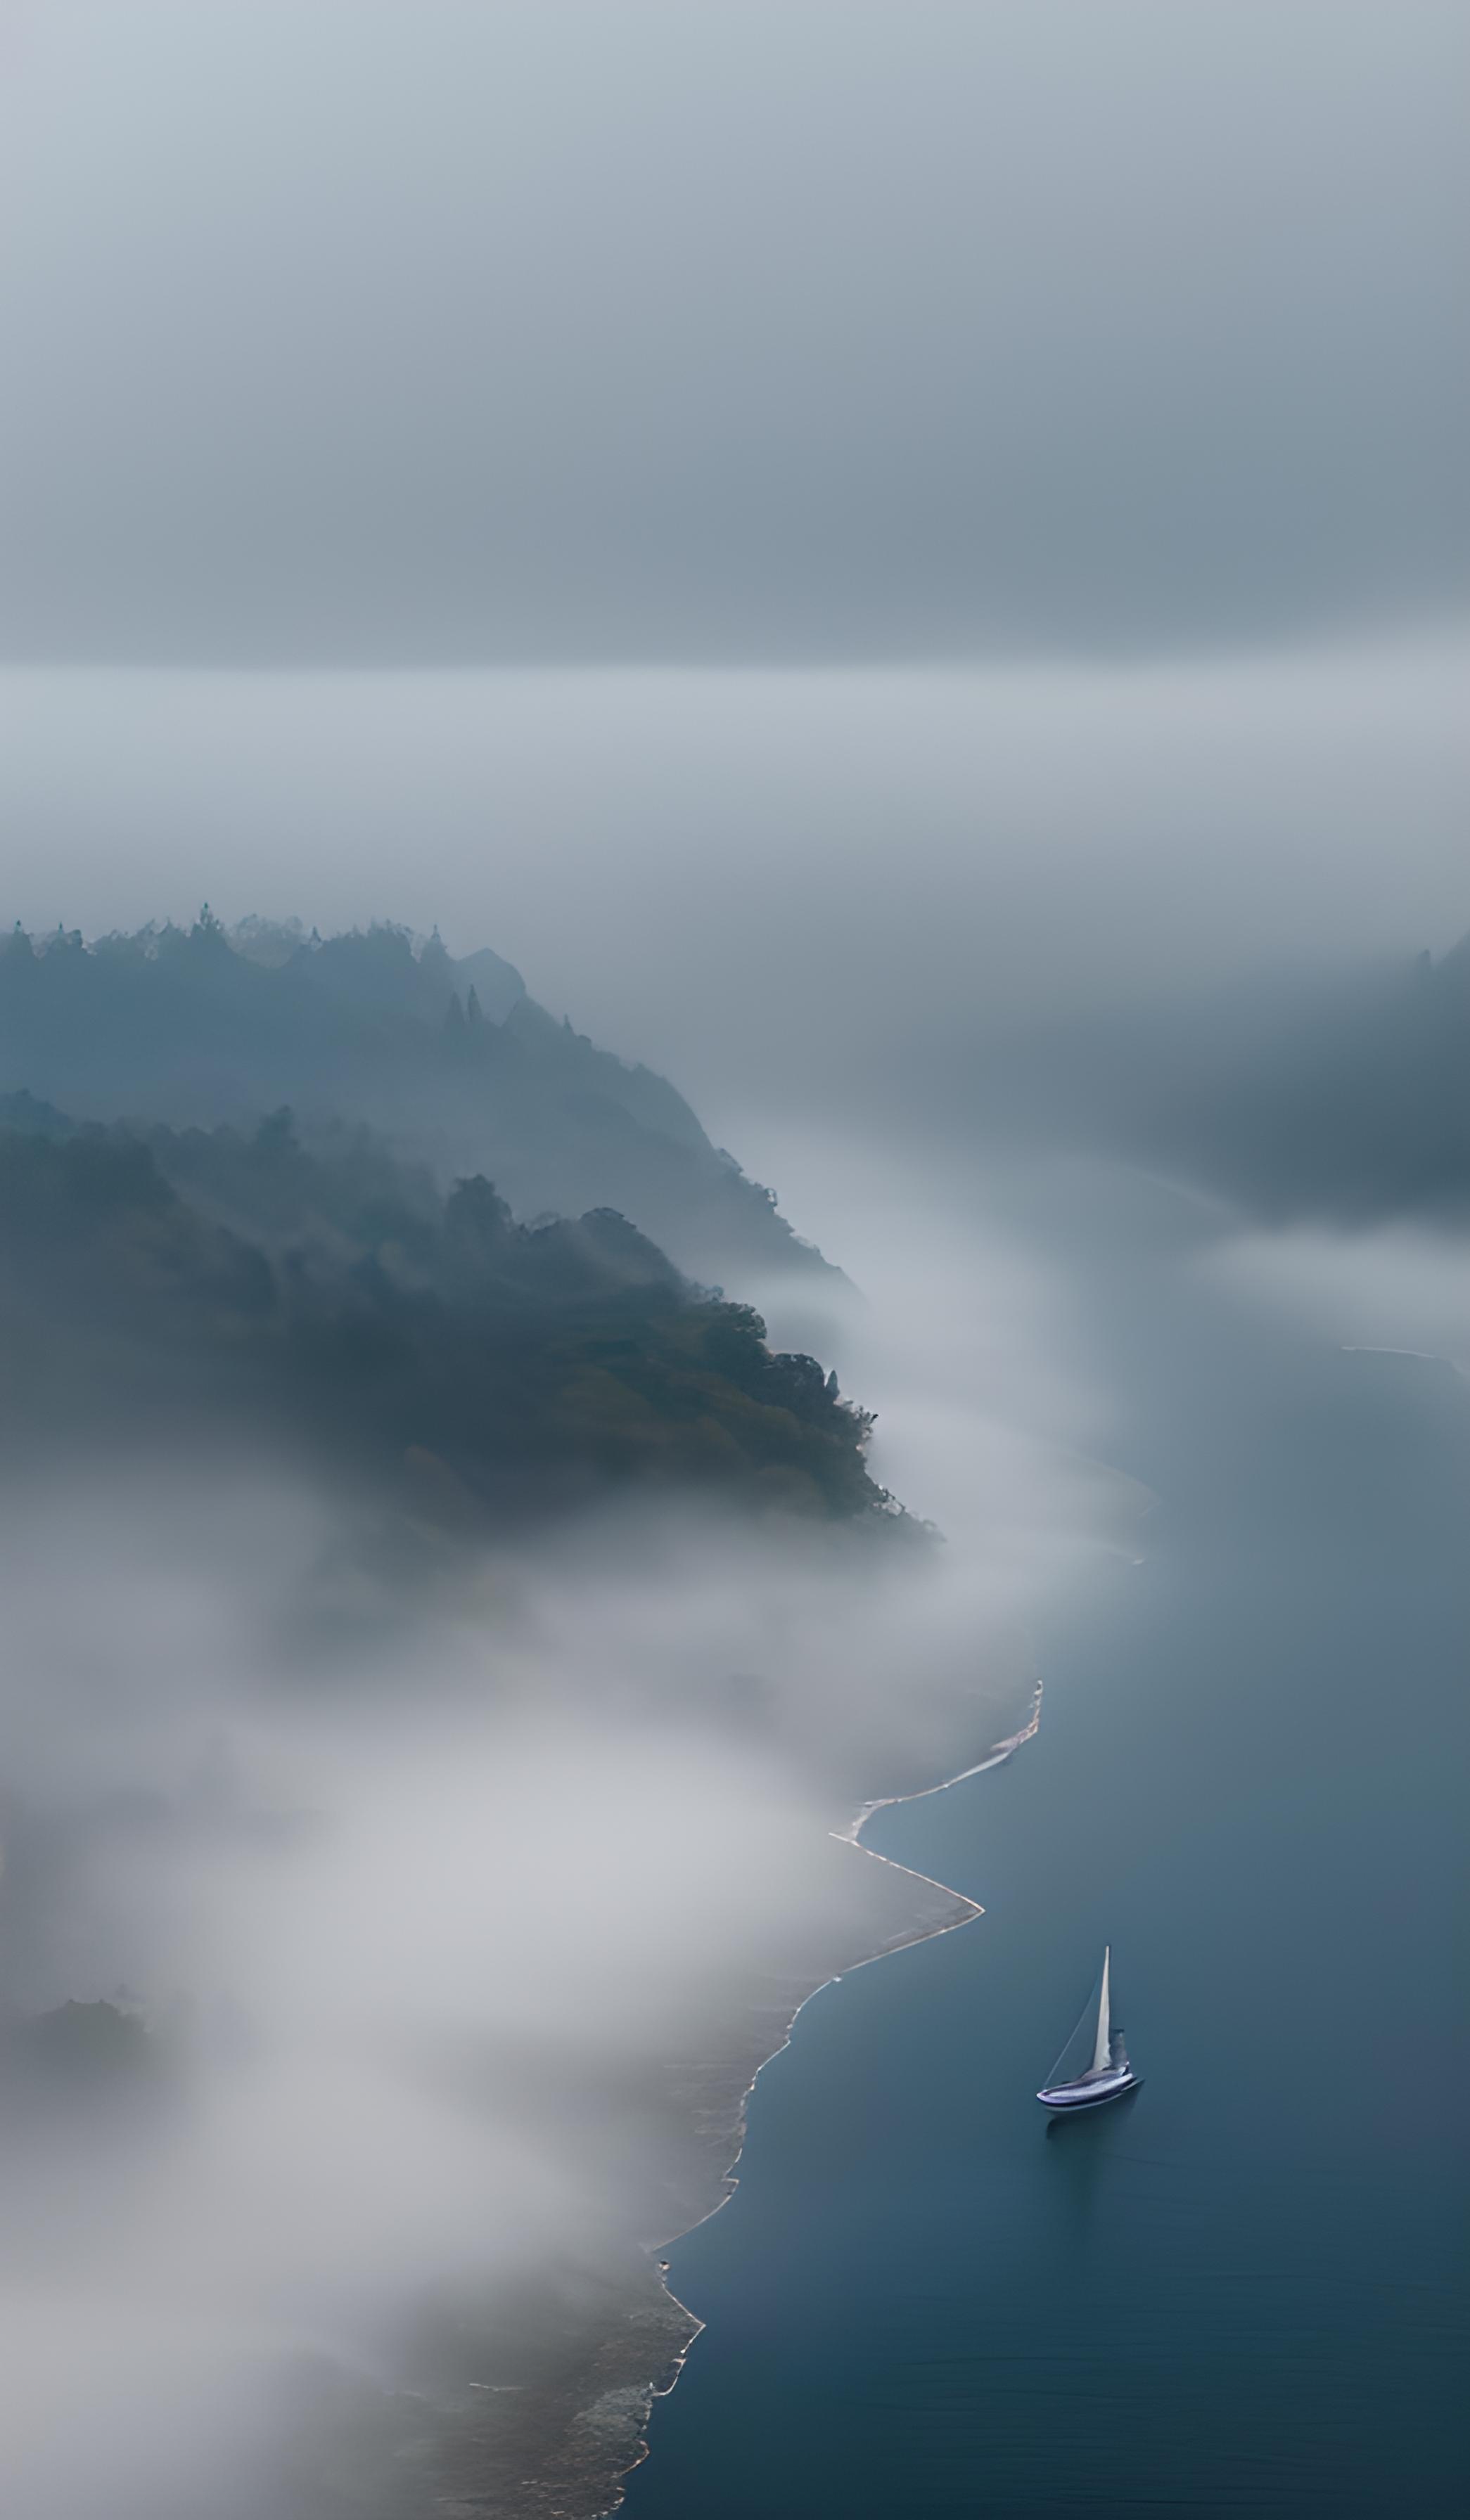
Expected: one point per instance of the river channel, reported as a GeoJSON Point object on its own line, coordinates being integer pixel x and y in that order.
{"type": "Point", "coordinates": [1241, 2290]}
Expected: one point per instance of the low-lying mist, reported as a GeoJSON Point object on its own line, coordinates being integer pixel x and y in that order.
{"type": "Point", "coordinates": [387, 1934]}
{"type": "Point", "coordinates": [358, 1936]}
{"type": "Point", "coordinates": [364, 1939]}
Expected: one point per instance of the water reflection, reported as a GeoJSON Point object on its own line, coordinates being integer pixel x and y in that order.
{"type": "Point", "coordinates": [1080, 2148]}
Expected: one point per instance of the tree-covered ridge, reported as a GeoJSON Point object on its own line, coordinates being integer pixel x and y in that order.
{"type": "Point", "coordinates": [451, 1060]}
{"type": "Point", "coordinates": [235, 1281]}
{"type": "Point", "coordinates": [1353, 1103]}
{"type": "Point", "coordinates": [1320, 1093]}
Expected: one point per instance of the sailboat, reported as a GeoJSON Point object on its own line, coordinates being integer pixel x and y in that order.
{"type": "Point", "coordinates": [1108, 2076]}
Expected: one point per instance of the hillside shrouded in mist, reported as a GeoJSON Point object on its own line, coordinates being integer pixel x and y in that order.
{"type": "Point", "coordinates": [440, 1650]}
{"type": "Point", "coordinates": [420, 1344]}
{"type": "Point", "coordinates": [894, 579]}
{"type": "Point", "coordinates": [450, 1058]}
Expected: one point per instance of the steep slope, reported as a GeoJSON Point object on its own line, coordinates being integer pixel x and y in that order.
{"type": "Point", "coordinates": [474, 1370]}
{"type": "Point", "coordinates": [452, 1062]}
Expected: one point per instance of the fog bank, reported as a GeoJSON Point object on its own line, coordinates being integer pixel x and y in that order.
{"type": "Point", "coordinates": [784, 884]}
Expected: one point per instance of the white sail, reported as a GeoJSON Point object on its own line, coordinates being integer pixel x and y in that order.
{"type": "Point", "coordinates": [1101, 2048]}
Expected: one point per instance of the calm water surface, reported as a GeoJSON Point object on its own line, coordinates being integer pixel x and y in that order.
{"type": "Point", "coordinates": [1243, 2289]}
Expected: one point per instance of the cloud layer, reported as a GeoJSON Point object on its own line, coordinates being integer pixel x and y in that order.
{"type": "Point", "coordinates": [770, 329]}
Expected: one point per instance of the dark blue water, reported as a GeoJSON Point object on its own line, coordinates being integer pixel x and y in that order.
{"type": "Point", "coordinates": [1243, 2289]}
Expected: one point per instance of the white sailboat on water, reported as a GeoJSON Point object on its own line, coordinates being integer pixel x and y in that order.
{"type": "Point", "coordinates": [1107, 2077]}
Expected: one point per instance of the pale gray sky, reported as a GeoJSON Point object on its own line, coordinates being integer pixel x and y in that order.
{"type": "Point", "coordinates": [1101, 356]}
{"type": "Point", "coordinates": [726, 329]}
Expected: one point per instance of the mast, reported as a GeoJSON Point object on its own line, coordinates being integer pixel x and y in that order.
{"type": "Point", "coordinates": [1100, 2051]}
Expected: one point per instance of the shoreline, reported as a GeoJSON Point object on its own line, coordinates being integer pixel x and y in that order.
{"type": "Point", "coordinates": [537, 2403]}
{"type": "Point", "coordinates": [970, 1909]}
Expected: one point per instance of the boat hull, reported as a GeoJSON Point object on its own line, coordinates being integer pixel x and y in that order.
{"type": "Point", "coordinates": [1070, 2102]}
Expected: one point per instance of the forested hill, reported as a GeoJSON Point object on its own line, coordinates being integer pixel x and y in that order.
{"type": "Point", "coordinates": [450, 1060]}
{"type": "Point", "coordinates": [161, 1283]}
{"type": "Point", "coordinates": [1353, 1103]}
{"type": "Point", "coordinates": [1310, 1093]}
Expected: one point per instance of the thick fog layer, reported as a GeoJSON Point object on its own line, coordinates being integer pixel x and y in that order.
{"type": "Point", "coordinates": [1396, 1287]}
{"type": "Point", "coordinates": [409, 1902]}
{"type": "Point", "coordinates": [401, 1904]}
{"type": "Point", "coordinates": [783, 884]}
{"type": "Point", "coordinates": [436, 436]}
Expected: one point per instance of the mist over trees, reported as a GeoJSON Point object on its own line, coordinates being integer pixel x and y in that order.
{"type": "Point", "coordinates": [1340, 1097]}
{"type": "Point", "coordinates": [480, 1370]}
{"type": "Point", "coordinates": [1353, 1103]}
{"type": "Point", "coordinates": [274, 1229]}
{"type": "Point", "coordinates": [451, 1060]}
{"type": "Point", "coordinates": [375, 1515]}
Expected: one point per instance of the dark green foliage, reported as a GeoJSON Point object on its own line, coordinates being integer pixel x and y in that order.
{"type": "Point", "coordinates": [219, 1280]}
{"type": "Point", "coordinates": [450, 1059]}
